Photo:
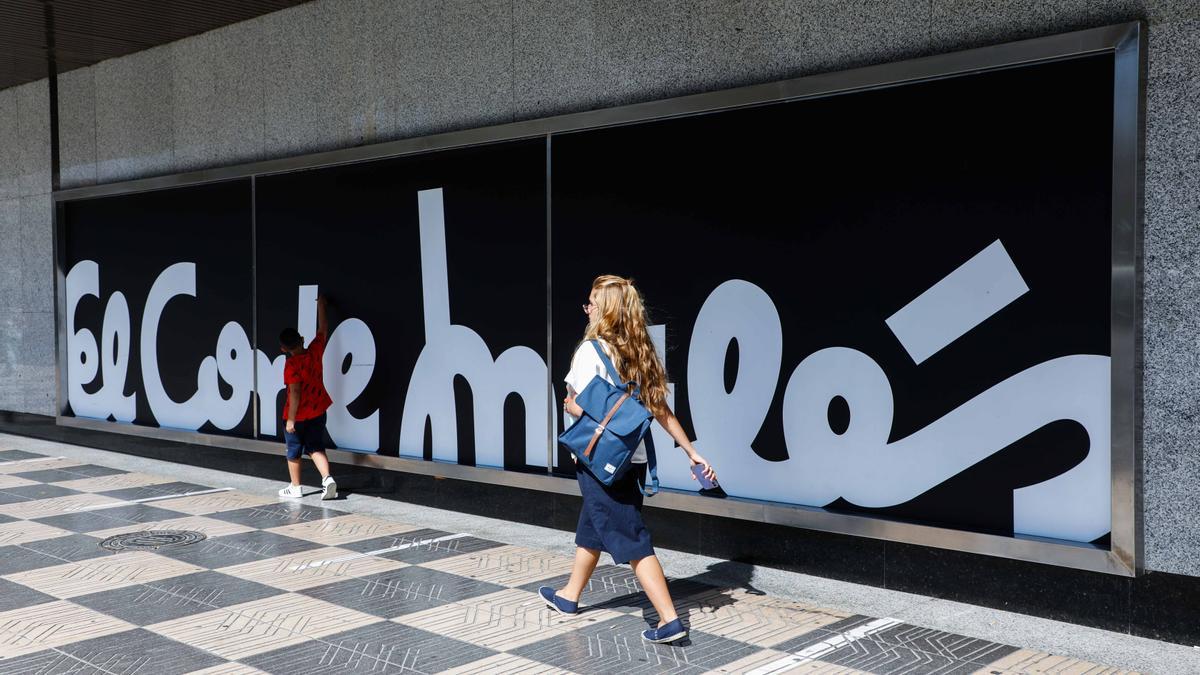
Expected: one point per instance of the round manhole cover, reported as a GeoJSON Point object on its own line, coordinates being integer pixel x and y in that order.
{"type": "Point", "coordinates": [151, 540]}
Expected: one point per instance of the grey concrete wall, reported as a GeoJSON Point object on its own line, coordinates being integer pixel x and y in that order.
{"type": "Point", "coordinates": [26, 268]}
{"type": "Point", "coordinates": [335, 73]}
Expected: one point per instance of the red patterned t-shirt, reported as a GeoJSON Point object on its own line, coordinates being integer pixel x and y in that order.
{"type": "Point", "coordinates": [305, 370]}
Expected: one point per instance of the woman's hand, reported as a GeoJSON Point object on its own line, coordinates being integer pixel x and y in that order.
{"type": "Point", "coordinates": [709, 473]}
{"type": "Point", "coordinates": [572, 407]}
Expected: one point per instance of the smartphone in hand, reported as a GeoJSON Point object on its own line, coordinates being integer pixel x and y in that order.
{"type": "Point", "coordinates": [705, 483]}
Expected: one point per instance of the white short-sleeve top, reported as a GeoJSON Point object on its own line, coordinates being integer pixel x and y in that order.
{"type": "Point", "coordinates": [585, 365]}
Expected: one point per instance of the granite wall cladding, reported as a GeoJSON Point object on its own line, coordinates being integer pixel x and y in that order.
{"type": "Point", "coordinates": [337, 73]}
{"type": "Point", "coordinates": [26, 251]}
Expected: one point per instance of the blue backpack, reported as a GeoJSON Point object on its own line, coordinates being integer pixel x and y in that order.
{"type": "Point", "coordinates": [613, 425]}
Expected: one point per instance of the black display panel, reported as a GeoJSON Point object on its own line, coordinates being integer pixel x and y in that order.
{"type": "Point", "coordinates": [976, 210]}
{"type": "Point", "coordinates": [436, 265]}
{"type": "Point", "coordinates": [158, 308]}
{"type": "Point", "coordinates": [893, 302]}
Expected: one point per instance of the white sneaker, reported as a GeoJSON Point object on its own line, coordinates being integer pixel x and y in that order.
{"type": "Point", "coordinates": [330, 486]}
{"type": "Point", "coordinates": [292, 492]}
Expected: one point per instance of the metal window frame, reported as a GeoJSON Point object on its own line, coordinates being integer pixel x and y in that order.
{"type": "Point", "coordinates": [1125, 41]}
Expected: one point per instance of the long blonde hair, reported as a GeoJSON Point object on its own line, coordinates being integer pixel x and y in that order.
{"type": "Point", "coordinates": [620, 320]}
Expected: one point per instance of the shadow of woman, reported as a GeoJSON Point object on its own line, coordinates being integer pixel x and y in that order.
{"type": "Point", "coordinates": [707, 592]}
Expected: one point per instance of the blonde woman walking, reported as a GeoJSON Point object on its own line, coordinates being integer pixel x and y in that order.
{"type": "Point", "coordinates": [611, 519]}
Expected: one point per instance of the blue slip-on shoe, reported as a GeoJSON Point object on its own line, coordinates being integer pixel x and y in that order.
{"type": "Point", "coordinates": [560, 605]}
{"type": "Point", "coordinates": [668, 632]}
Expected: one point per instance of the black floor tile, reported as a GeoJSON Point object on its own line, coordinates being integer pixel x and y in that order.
{"type": "Point", "coordinates": [139, 651]}
{"type": "Point", "coordinates": [94, 470]}
{"type": "Point", "coordinates": [33, 492]}
{"type": "Point", "coordinates": [72, 548]}
{"type": "Point", "coordinates": [14, 455]}
{"type": "Point", "coordinates": [169, 599]}
{"type": "Point", "coordinates": [8, 498]}
{"type": "Point", "coordinates": [884, 659]}
{"type": "Point", "coordinates": [276, 515]}
{"type": "Point", "coordinates": [69, 473]}
{"type": "Point", "coordinates": [383, 647]}
{"type": "Point", "coordinates": [940, 643]}
{"type": "Point", "coordinates": [364, 545]}
{"type": "Point", "coordinates": [616, 646]}
{"type": "Point", "coordinates": [15, 596]}
{"type": "Point", "coordinates": [47, 475]}
{"type": "Point", "coordinates": [415, 552]}
{"type": "Point", "coordinates": [15, 559]}
{"type": "Point", "coordinates": [48, 662]}
{"type": "Point", "coordinates": [158, 491]}
{"type": "Point", "coordinates": [131, 515]}
{"type": "Point", "coordinates": [235, 549]}
{"type": "Point", "coordinates": [402, 591]}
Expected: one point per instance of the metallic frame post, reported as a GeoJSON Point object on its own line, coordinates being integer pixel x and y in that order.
{"type": "Point", "coordinates": [1126, 298]}
{"type": "Point", "coordinates": [1126, 42]}
{"type": "Point", "coordinates": [58, 227]}
{"type": "Point", "coordinates": [552, 413]}
{"type": "Point", "coordinates": [255, 398]}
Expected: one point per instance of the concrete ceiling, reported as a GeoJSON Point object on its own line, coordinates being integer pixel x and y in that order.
{"type": "Point", "coordinates": [84, 32]}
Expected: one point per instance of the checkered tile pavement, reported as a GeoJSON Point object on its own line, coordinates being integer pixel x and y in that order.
{"type": "Point", "coordinates": [292, 587]}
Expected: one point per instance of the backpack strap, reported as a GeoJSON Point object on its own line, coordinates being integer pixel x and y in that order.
{"type": "Point", "coordinates": [651, 465]}
{"type": "Point", "coordinates": [600, 429]}
{"type": "Point", "coordinates": [612, 370]}
{"type": "Point", "coordinates": [651, 459]}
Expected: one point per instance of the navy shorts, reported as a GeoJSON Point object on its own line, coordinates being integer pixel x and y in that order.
{"type": "Point", "coordinates": [611, 517]}
{"type": "Point", "coordinates": [309, 437]}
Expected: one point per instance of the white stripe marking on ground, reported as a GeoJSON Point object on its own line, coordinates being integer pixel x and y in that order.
{"type": "Point", "coordinates": [30, 460]}
{"type": "Point", "coordinates": [825, 647]}
{"type": "Point", "coordinates": [127, 502]}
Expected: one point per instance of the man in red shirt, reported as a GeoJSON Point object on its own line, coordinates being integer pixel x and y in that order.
{"type": "Point", "coordinates": [306, 404]}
